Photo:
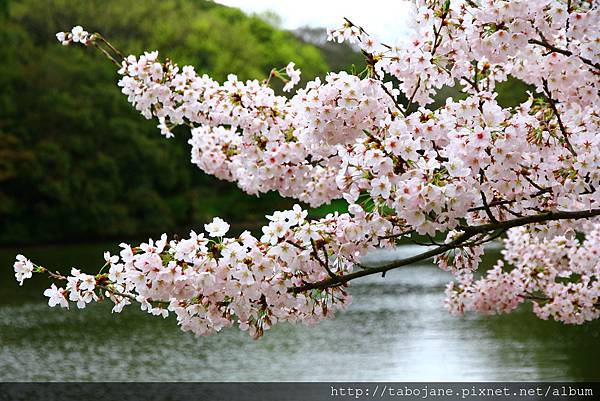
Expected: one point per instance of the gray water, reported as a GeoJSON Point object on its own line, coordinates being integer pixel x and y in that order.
{"type": "Point", "coordinates": [395, 330]}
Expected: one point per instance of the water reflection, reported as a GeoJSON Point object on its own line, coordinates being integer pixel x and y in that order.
{"type": "Point", "coordinates": [395, 330]}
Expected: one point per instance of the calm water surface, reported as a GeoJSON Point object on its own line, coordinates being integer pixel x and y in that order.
{"type": "Point", "coordinates": [396, 330]}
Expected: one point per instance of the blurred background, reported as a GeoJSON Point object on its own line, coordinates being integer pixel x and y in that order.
{"type": "Point", "coordinates": [81, 171]}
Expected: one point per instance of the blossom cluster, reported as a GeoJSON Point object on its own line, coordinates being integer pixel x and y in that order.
{"type": "Point", "coordinates": [560, 275]}
{"type": "Point", "coordinates": [211, 282]}
{"type": "Point", "coordinates": [77, 35]}
{"type": "Point", "coordinates": [340, 110]}
{"type": "Point", "coordinates": [404, 167]}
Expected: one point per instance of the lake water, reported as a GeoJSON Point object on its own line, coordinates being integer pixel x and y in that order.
{"type": "Point", "coordinates": [395, 330]}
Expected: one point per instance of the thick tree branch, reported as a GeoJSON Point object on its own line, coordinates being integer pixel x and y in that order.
{"type": "Point", "coordinates": [468, 233]}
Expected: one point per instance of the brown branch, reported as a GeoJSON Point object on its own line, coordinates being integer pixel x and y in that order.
{"type": "Point", "coordinates": [298, 246]}
{"type": "Point", "coordinates": [370, 60]}
{"type": "Point", "coordinates": [382, 269]}
{"type": "Point", "coordinates": [557, 114]}
{"type": "Point", "coordinates": [538, 298]}
{"type": "Point", "coordinates": [396, 102]}
{"type": "Point", "coordinates": [489, 238]}
{"type": "Point", "coordinates": [54, 275]}
{"type": "Point", "coordinates": [57, 276]}
{"type": "Point", "coordinates": [400, 234]}
{"type": "Point", "coordinates": [107, 54]}
{"type": "Point", "coordinates": [412, 97]}
{"type": "Point", "coordinates": [437, 40]}
{"type": "Point", "coordinates": [471, 82]}
{"type": "Point", "coordinates": [468, 232]}
{"type": "Point", "coordinates": [569, 10]}
{"type": "Point", "coordinates": [565, 52]}
{"type": "Point", "coordinates": [507, 201]}
{"type": "Point", "coordinates": [537, 218]}
{"type": "Point", "coordinates": [325, 263]}
{"type": "Point", "coordinates": [516, 214]}
{"type": "Point", "coordinates": [120, 294]}
{"type": "Point", "coordinates": [533, 183]}
{"type": "Point", "coordinates": [486, 207]}
{"type": "Point", "coordinates": [365, 32]}
{"type": "Point", "coordinates": [110, 46]}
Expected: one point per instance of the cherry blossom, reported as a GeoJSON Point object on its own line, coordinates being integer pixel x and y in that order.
{"type": "Point", "coordinates": [217, 228]}
{"type": "Point", "coordinates": [470, 171]}
{"type": "Point", "coordinates": [23, 269]}
{"type": "Point", "coordinates": [294, 77]}
{"type": "Point", "coordinates": [56, 296]}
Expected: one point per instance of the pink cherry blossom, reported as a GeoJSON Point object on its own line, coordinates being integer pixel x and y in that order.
{"type": "Point", "coordinates": [217, 228]}
{"type": "Point", "coordinates": [23, 269]}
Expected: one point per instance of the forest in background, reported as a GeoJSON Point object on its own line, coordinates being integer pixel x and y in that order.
{"type": "Point", "coordinates": [78, 163]}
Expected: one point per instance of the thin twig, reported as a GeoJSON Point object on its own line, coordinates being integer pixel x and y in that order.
{"type": "Point", "coordinates": [107, 54]}
{"type": "Point", "coordinates": [557, 114]}
{"type": "Point", "coordinates": [325, 263]}
{"type": "Point", "coordinates": [509, 201]}
{"type": "Point", "coordinates": [295, 244]}
{"type": "Point", "coordinates": [486, 207]}
{"type": "Point", "coordinates": [565, 52]}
